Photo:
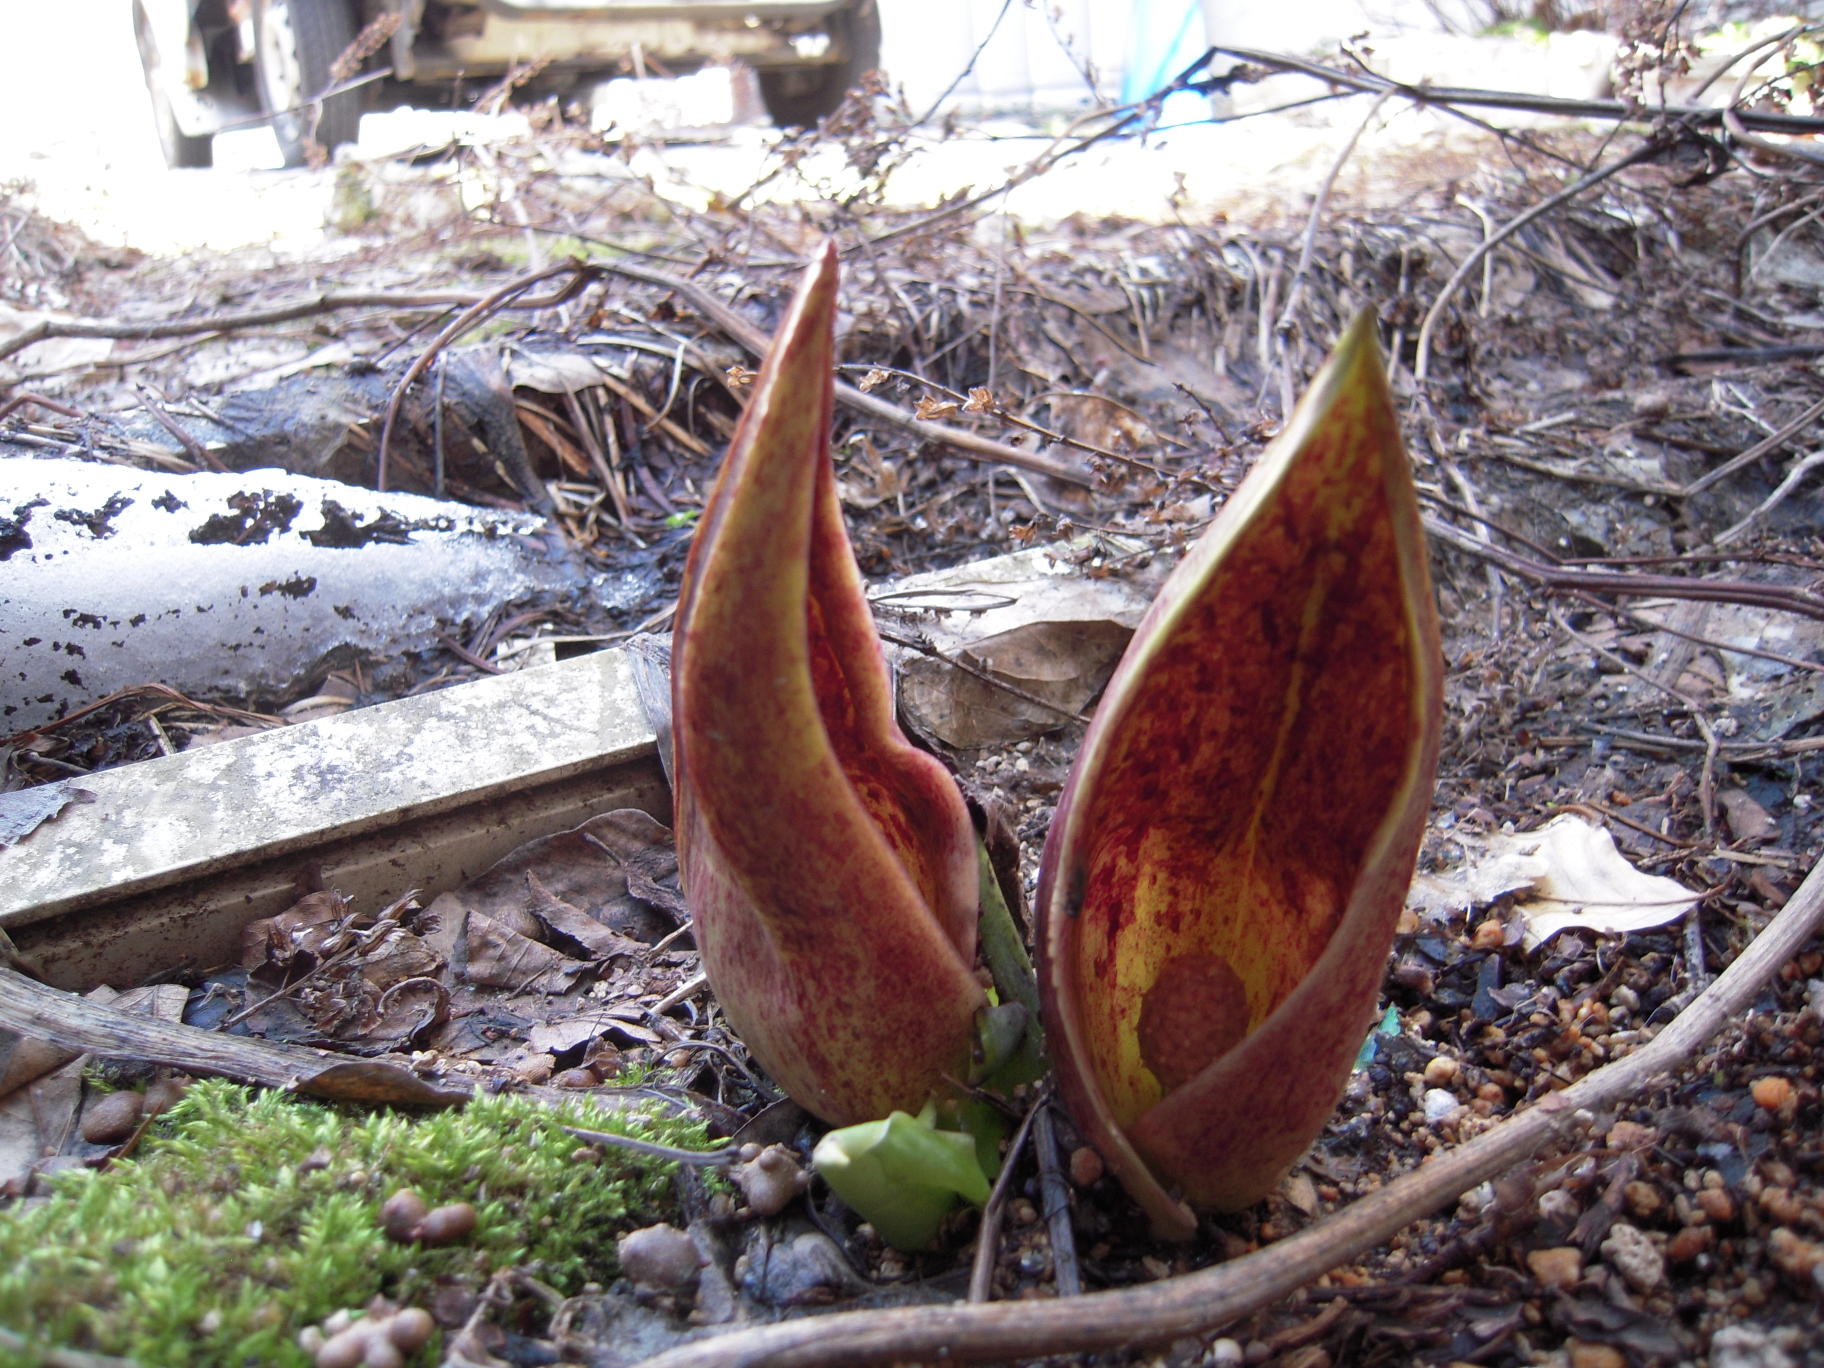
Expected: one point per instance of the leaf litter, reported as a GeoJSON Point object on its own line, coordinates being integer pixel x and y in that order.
{"type": "Point", "coordinates": [1611, 650]}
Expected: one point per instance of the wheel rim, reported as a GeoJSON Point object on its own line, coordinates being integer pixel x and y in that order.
{"type": "Point", "coordinates": [281, 76]}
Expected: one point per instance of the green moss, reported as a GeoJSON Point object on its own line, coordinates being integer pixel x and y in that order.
{"type": "Point", "coordinates": [1536, 29]}
{"type": "Point", "coordinates": [351, 200]}
{"type": "Point", "coordinates": [249, 1216]}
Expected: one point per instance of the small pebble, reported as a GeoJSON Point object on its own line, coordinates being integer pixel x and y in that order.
{"type": "Point", "coordinates": [1798, 1258]}
{"type": "Point", "coordinates": [376, 1341]}
{"type": "Point", "coordinates": [1717, 1204]}
{"type": "Point", "coordinates": [109, 1120]}
{"type": "Point", "coordinates": [1643, 1199]}
{"type": "Point", "coordinates": [1556, 1204]}
{"type": "Point", "coordinates": [1781, 1205]}
{"type": "Point", "coordinates": [1488, 935]}
{"type": "Point", "coordinates": [1086, 1168]}
{"type": "Point", "coordinates": [770, 1180]}
{"type": "Point", "coordinates": [400, 1214]}
{"type": "Point", "coordinates": [1301, 1192]}
{"type": "Point", "coordinates": [1440, 1105]}
{"type": "Point", "coordinates": [660, 1258]}
{"type": "Point", "coordinates": [445, 1224]}
{"type": "Point", "coordinates": [1584, 1355]}
{"type": "Point", "coordinates": [1688, 1243]}
{"type": "Point", "coordinates": [575, 1078]}
{"type": "Point", "coordinates": [1771, 1093]}
{"type": "Point", "coordinates": [344, 1349]}
{"type": "Point", "coordinates": [1630, 1252]}
{"type": "Point", "coordinates": [1227, 1353]}
{"type": "Point", "coordinates": [1441, 1070]}
{"type": "Point", "coordinates": [1560, 1267]}
{"type": "Point", "coordinates": [317, 1160]}
{"type": "Point", "coordinates": [410, 1329]}
{"type": "Point", "coordinates": [1631, 1135]}
{"type": "Point", "coordinates": [1752, 1346]}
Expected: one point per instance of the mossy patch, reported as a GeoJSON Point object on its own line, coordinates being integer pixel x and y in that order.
{"type": "Point", "coordinates": [249, 1216]}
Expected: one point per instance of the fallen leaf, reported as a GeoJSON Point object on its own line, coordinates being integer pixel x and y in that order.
{"type": "Point", "coordinates": [1567, 874]}
{"type": "Point", "coordinates": [585, 869]}
{"type": "Point", "coordinates": [572, 923]}
{"type": "Point", "coordinates": [1748, 821]}
{"type": "Point", "coordinates": [499, 957]}
{"type": "Point", "coordinates": [1584, 882]}
{"type": "Point", "coordinates": [1009, 648]}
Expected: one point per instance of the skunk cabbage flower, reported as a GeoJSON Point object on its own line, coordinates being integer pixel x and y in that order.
{"type": "Point", "coordinates": [1219, 889]}
{"type": "Point", "coordinates": [829, 866]}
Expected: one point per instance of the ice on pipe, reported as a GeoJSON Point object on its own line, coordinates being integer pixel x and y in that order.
{"type": "Point", "coordinates": [243, 585]}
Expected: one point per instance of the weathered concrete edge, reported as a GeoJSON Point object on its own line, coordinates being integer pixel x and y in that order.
{"type": "Point", "coordinates": [203, 812]}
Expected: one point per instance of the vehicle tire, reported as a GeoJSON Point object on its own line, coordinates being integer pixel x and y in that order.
{"type": "Point", "coordinates": [182, 150]}
{"type": "Point", "coordinates": [295, 44]}
{"type": "Point", "coordinates": [797, 97]}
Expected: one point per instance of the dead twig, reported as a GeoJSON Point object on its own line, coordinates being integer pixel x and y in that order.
{"type": "Point", "coordinates": [328, 301]}
{"type": "Point", "coordinates": [987, 1234]}
{"type": "Point", "coordinates": [1738, 129]}
{"type": "Point", "coordinates": [1202, 1302]}
{"type": "Point", "coordinates": [581, 273]}
{"type": "Point", "coordinates": [1652, 743]}
{"type": "Point", "coordinates": [1558, 576]}
{"type": "Point", "coordinates": [19, 401]}
{"type": "Point", "coordinates": [984, 401]}
{"type": "Point", "coordinates": [214, 709]}
{"type": "Point", "coordinates": [748, 336]}
{"type": "Point", "coordinates": [40, 1013]}
{"type": "Point", "coordinates": [1626, 666]}
{"type": "Point", "coordinates": [1794, 478]}
{"type": "Point", "coordinates": [1283, 325]}
{"type": "Point", "coordinates": [1054, 1192]}
{"type": "Point", "coordinates": [1791, 662]}
{"type": "Point", "coordinates": [198, 452]}
{"type": "Point", "coordinates": [1620, 111]}
{"type": "Point", "coordinates": [912, 642]}
{"type": "Point", "coordinates": [1647, 151]}
{"type": "Point", "coordinates": [59, 1358]}
{"type": "Point", "coordinates": [726, 1155]}
{"type": "Point", "coordinates": [360, 943]}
